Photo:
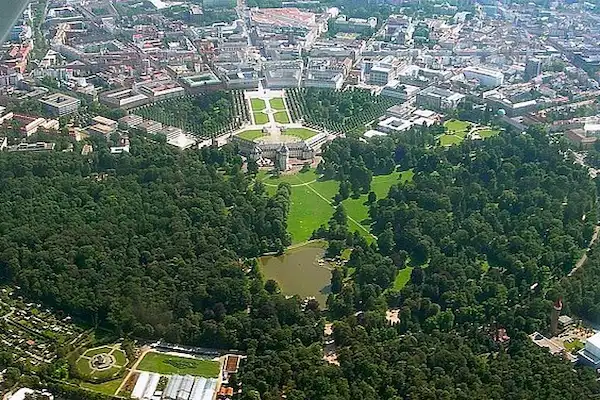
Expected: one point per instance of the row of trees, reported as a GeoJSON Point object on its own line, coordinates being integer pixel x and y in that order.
{"type": "Point", "coordinates": [206, 115]}
{"type": "Point", "coordinates": [337, 111]}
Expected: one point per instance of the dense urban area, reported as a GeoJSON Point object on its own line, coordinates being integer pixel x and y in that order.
{"type": "Point", "coordinates": [301, 200]}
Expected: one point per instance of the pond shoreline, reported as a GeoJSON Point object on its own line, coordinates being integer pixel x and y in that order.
{"type": "Point", "coordinates": [301, 270]}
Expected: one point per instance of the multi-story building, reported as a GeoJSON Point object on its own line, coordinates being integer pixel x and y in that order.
{"type": "Point", "coordinates": [345, 24]}
{"type": "Point", "coordinates": [533, 68]}
{"type": "Point", "coordinates": [160, 89]}
{"type": "Point", "coordinates": [283, 74]}
{"type": "Point", "coordinates": [380, 72]}
{"type": "Point", "coordinates": [59, 104]}
{"type": "Point", "coordinates": [399, 90]}
{"type": "Point", "coordinates": [438, 99]}
{"type": "Point", "coordinates": [123, 98]}
{"type": "Point", "coordinates": [484, 76]}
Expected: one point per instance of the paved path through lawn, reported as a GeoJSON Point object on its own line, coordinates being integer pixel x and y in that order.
{"type": "Point", "coordinates": [349, 217]}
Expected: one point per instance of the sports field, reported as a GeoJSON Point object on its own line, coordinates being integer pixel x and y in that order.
{"type": "Point", "coordinates": [277, 103]}
{"type": "Point", "coordinates": [251, 134]}
{"type": "Point", "coordinates": [281, 117]}
{"type": "Point", "coordinates": [312, 201]}
{"type": "Point", "coordinates": [260, 118]}
{"type": "Point", "coordinates": [258, 104]}
{"type": "Point", "coordinates": [167, 364]}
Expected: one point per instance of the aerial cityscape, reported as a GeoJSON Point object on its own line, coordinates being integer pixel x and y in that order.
{"type": "Point", "coordinates": [301, 200]}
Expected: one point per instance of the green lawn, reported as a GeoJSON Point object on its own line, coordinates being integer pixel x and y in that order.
{"type": "Point", "coordinates": [302, 133]}
{"type": "Point", "coordinates": [449, 140]}
{"type": "Point", "coordinates": [456, 126]}
{"type": "Point", "coordinates": [281, 117]}
{"type": "Point", "coordinates": [168, 365]}
{"type": "Point", "coordinates": [402, 278]}
{"type": "Point", "coordinates": [99, 350]}
{"type": "Point", "coordinates": [258, 104]}
{"type": "Point", "coordinates": [486, 133]}
{"type": "Point", "coordinates": [277, 103]}
{"type": "Point", "coordinates": [83, 366]}
{"type": "Point", "coordinates": [108, 388]}
{"type": "Point", "coordinates": [308, 211]}
{"type": "Point", "coordinates": [574, 345]}
{"type": "Point", "coordinates": [107, 373]}
{"type": "Point", "coordinates": [120, 357]}
{"type": "Point", "coordinates": [358, 208]}
{"type": "Point", "coordinates": [251, 134]}
{"type": "Point", "coordinates": [260, 118]}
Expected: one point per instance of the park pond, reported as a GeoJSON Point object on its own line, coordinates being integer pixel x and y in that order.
{"type": "Point", "coordinates": [300, 272]}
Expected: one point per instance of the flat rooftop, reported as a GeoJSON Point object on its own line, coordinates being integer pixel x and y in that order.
{"type": "Point", "coordinates": [59, 99]}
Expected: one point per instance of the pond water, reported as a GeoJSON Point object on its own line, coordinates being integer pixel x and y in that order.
{"type": "Point", "coordinates": [299, 272]}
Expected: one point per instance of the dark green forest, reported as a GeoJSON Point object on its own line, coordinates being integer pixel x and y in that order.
{"type": "Point", "coordinates": [161, 244]}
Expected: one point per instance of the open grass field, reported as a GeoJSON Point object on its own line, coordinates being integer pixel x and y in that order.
{"type": "Point", "coordinates": [260, 118]}
{"type": "Point", "coordinates": [449, 140]}
{"type": "Point", "coordinates": [107, 373]}
{"type": "Point", "coordinates": [99, 350]}
{"type": "Point", "coordinates": [281, 117]}
{"type": "Point", "coordinates": [251, 134]}
{"type": "Point", "coordinates": [277, 103]}
{"type": "Point", "coordinates": [108, 388]}
{"type": "Point", "coordinates": [120, 357]}
{"type": "Point", "coordinates": [308, 211]}
{"type": "Point", "coordinates": [83, 366]}
{"type": "Point", "coordinates": [302, 133]}
{"type": "Point", "coordinates": [258, 104]}
{"type": "Point", "coordinates": [358, 208]}
{"type": "Point", "coordinates": [455, 126]}
{"type": "Point", "coordinates": [487, 133]}
{"type": "Point", "coordinates": [167, 364]}
{"type": "Point", "coordinates": [311, 201]}
{"type": "Point", "coordinates": [402, 278]}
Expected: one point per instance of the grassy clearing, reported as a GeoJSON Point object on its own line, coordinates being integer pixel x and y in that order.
{"type": "Point", "coordinates": [251, 134]}
{"type": "Point", "coordinates": [308, 211]}
{"type": "Point", "coordinates": [358, 208]}
{"type": "Point", "coordinates": [277, 103]}
{"type": "Point", "coordinates": [83, 366]}
{"type": "Point", "coordinates": [99, 350]}
{"type": "Point", "coordinates": [107, 373]}
{"type": "Point", "coordinates": [402, 278]}
{"type": "Point", "coordinates": [487, 133]}
{"type": "Point", "coordinates": [258, 104]}
{"type": "Point", "coordinates": [260, 118]}
{"type": "Point", "coordinates": [168, 365]}
{"type": "Point", "coordinates": [455, 126]}
{"type": "Point", "coordinates": [449, 140]}
{"type": "Point", "coordinates": [108, 388]}
{"type": "Point", "coordinates": [302, 133]}
{"type": "Point", "coordinates": [281, 117]}
{"type": "Point", "coordinates": [120, 357]}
